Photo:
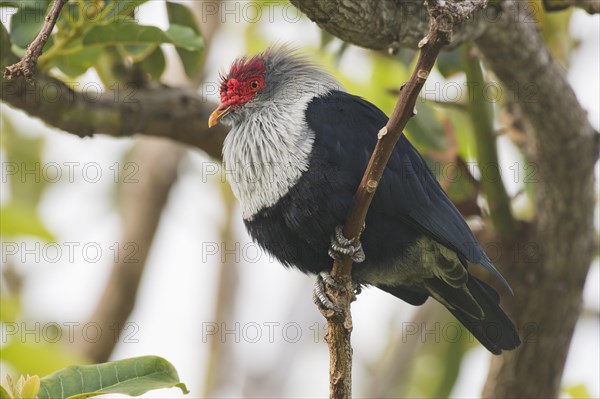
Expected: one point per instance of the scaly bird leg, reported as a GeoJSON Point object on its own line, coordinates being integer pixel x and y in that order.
{"type": "Point", "coordinates": [340, 245]}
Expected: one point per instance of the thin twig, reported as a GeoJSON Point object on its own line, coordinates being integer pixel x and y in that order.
{"type": "Point", "coordinates": [26, 66]}
{"type": "Point", "coordinates": [444, 15]}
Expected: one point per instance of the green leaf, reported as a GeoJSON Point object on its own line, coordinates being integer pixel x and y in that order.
{"type": "Point", "coordinates": [20, 220]}
{"type": "Point", "coordinates": [154, 64]}
{"type": "Point", "coordinates": [125, 8]}
{"type": "Point", "coordinates": [133, 377]}
{"type": "Point", "coordinates": [182, 16]}
{"type": "Point", "coordinates": [449, 62]}
{"type": "Point", "coordinates": [42, 357]}
{"type": "Point", "coordinates": [425, 129]}
{"type": "Point", "coordinates": [26, 23]}
{"type": "Point", "coordinates": [77, 63]}
{"type": "Point", "coordinates": [3, 393]}
{"type": "Point", "coordinates": [121, 32]}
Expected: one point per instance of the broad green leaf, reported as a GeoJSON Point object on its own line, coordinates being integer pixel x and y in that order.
{"type": "Point", "coordinates": [20, 220]}
{"type": "Point", "coordinates": [43, 357]}
{"type": "Point", "coordinates": [110, 67]}
{"type": "Point", "coordinates": [77, 63]}
{"type": "Point", "coordinates": [425, 129]}
{"type": "Point", "coordinates": [182, 16]}
{"type": "Point", "coordinates": [4, 394]}
{"type": "Point", "coordinates": [133, 377]}
{"type": "Point", "coordinates": [25, 24]}
{"type": "Point", "coordinates": [121, 32]}
{"type": "Point", "coordinates": [125, 8]}
{"type": "Point", "coordinates": [449, 62]}
{"type": "Point", "coordinates": [137, 51]}
{"type": "Point", "coordinates": [154, 64]}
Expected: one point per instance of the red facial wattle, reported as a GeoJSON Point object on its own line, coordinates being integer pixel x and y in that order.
{"type": "Point", "coordinates": [235, 92]}
{"type": "Point", "coordinates": [244, 81]}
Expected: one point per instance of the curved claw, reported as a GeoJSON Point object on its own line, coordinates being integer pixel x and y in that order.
{"type": "Point", "coordinates": [340, 245]}
{"type": "Point", "coordinates": [319, 296]}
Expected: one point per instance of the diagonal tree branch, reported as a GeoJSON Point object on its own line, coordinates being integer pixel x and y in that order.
{"type": "Point", "coordinates": [384, 24]}
{"type": "Point", "coordinates": [26, 66]}
{"type": "Point", "coordinates": [179, 114]}
{"type": "Point", "coordinates": [444, 15]}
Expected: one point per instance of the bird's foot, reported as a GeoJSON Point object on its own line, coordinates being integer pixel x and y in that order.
{"type": "Point", "coordinates": [340, 245]}
{"type": "Point", "coordinates": [320, 297]}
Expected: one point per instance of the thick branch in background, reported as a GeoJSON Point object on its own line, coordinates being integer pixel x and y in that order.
{"type": "Point", "coordinates": [382, 24]}
{"type": "Point", "coordinates": [443, 17]}
{"type": "Point", "coordinates": [158, 162]}
{"type": "Point", "coordinates": [564, 148]}
{"type": "Point", "coordinates": [141, 205]}
{"type": "Point", "coordinates": [179, 114]}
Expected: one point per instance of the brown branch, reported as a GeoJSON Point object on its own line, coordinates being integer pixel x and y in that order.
{"type": "Point", "coordinates": [562, 148]}
{"type": "Point", "coordinates": [443, 17]}
{"type": "Point", "coordinates": [158, 163]}
{"type": "Point", "coordinates": [179, 114]}
{"type": "Point", "coordinates": [141, 203]}
{"type": "Point", "coordinates": [26, 66]}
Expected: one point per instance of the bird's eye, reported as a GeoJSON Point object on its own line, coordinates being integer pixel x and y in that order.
{"type": "Point", "coordinates": [254, 84]}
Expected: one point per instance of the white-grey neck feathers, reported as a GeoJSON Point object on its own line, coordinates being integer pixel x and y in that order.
{"type": "Point", "coordinates": [269, 145]}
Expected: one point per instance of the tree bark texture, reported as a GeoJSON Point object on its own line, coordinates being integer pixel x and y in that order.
{"type": "Point", "coordinates": [179, 114]}
{"type": "Point", "coordinates": [382, 24]}
{"type": "Point", "coordinates": [547, 262]}
{"type": "Point", "coordinates": [563, 147]}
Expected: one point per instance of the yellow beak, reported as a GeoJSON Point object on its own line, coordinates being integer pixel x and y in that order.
{"type": "Point", "coordinates": [217, 114]}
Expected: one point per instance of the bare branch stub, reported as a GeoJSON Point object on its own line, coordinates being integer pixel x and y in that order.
{"type": "Point", "coordinates": [444, 15]}
{"type": "Point", "coordinates": [26, 66]}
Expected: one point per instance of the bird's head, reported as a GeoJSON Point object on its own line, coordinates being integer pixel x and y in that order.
{"type": "Point", "coordinates": [275, 77]}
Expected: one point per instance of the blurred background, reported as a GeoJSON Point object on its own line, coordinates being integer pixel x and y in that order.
{"type": "Point", "coordinates": [122, 247]}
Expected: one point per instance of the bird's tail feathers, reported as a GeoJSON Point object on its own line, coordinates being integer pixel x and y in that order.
{"type": "Point", "coordinates": [495, 330]}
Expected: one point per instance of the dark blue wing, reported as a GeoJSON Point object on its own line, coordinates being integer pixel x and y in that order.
{"type": "Point", "coordinates": [346, 128]}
